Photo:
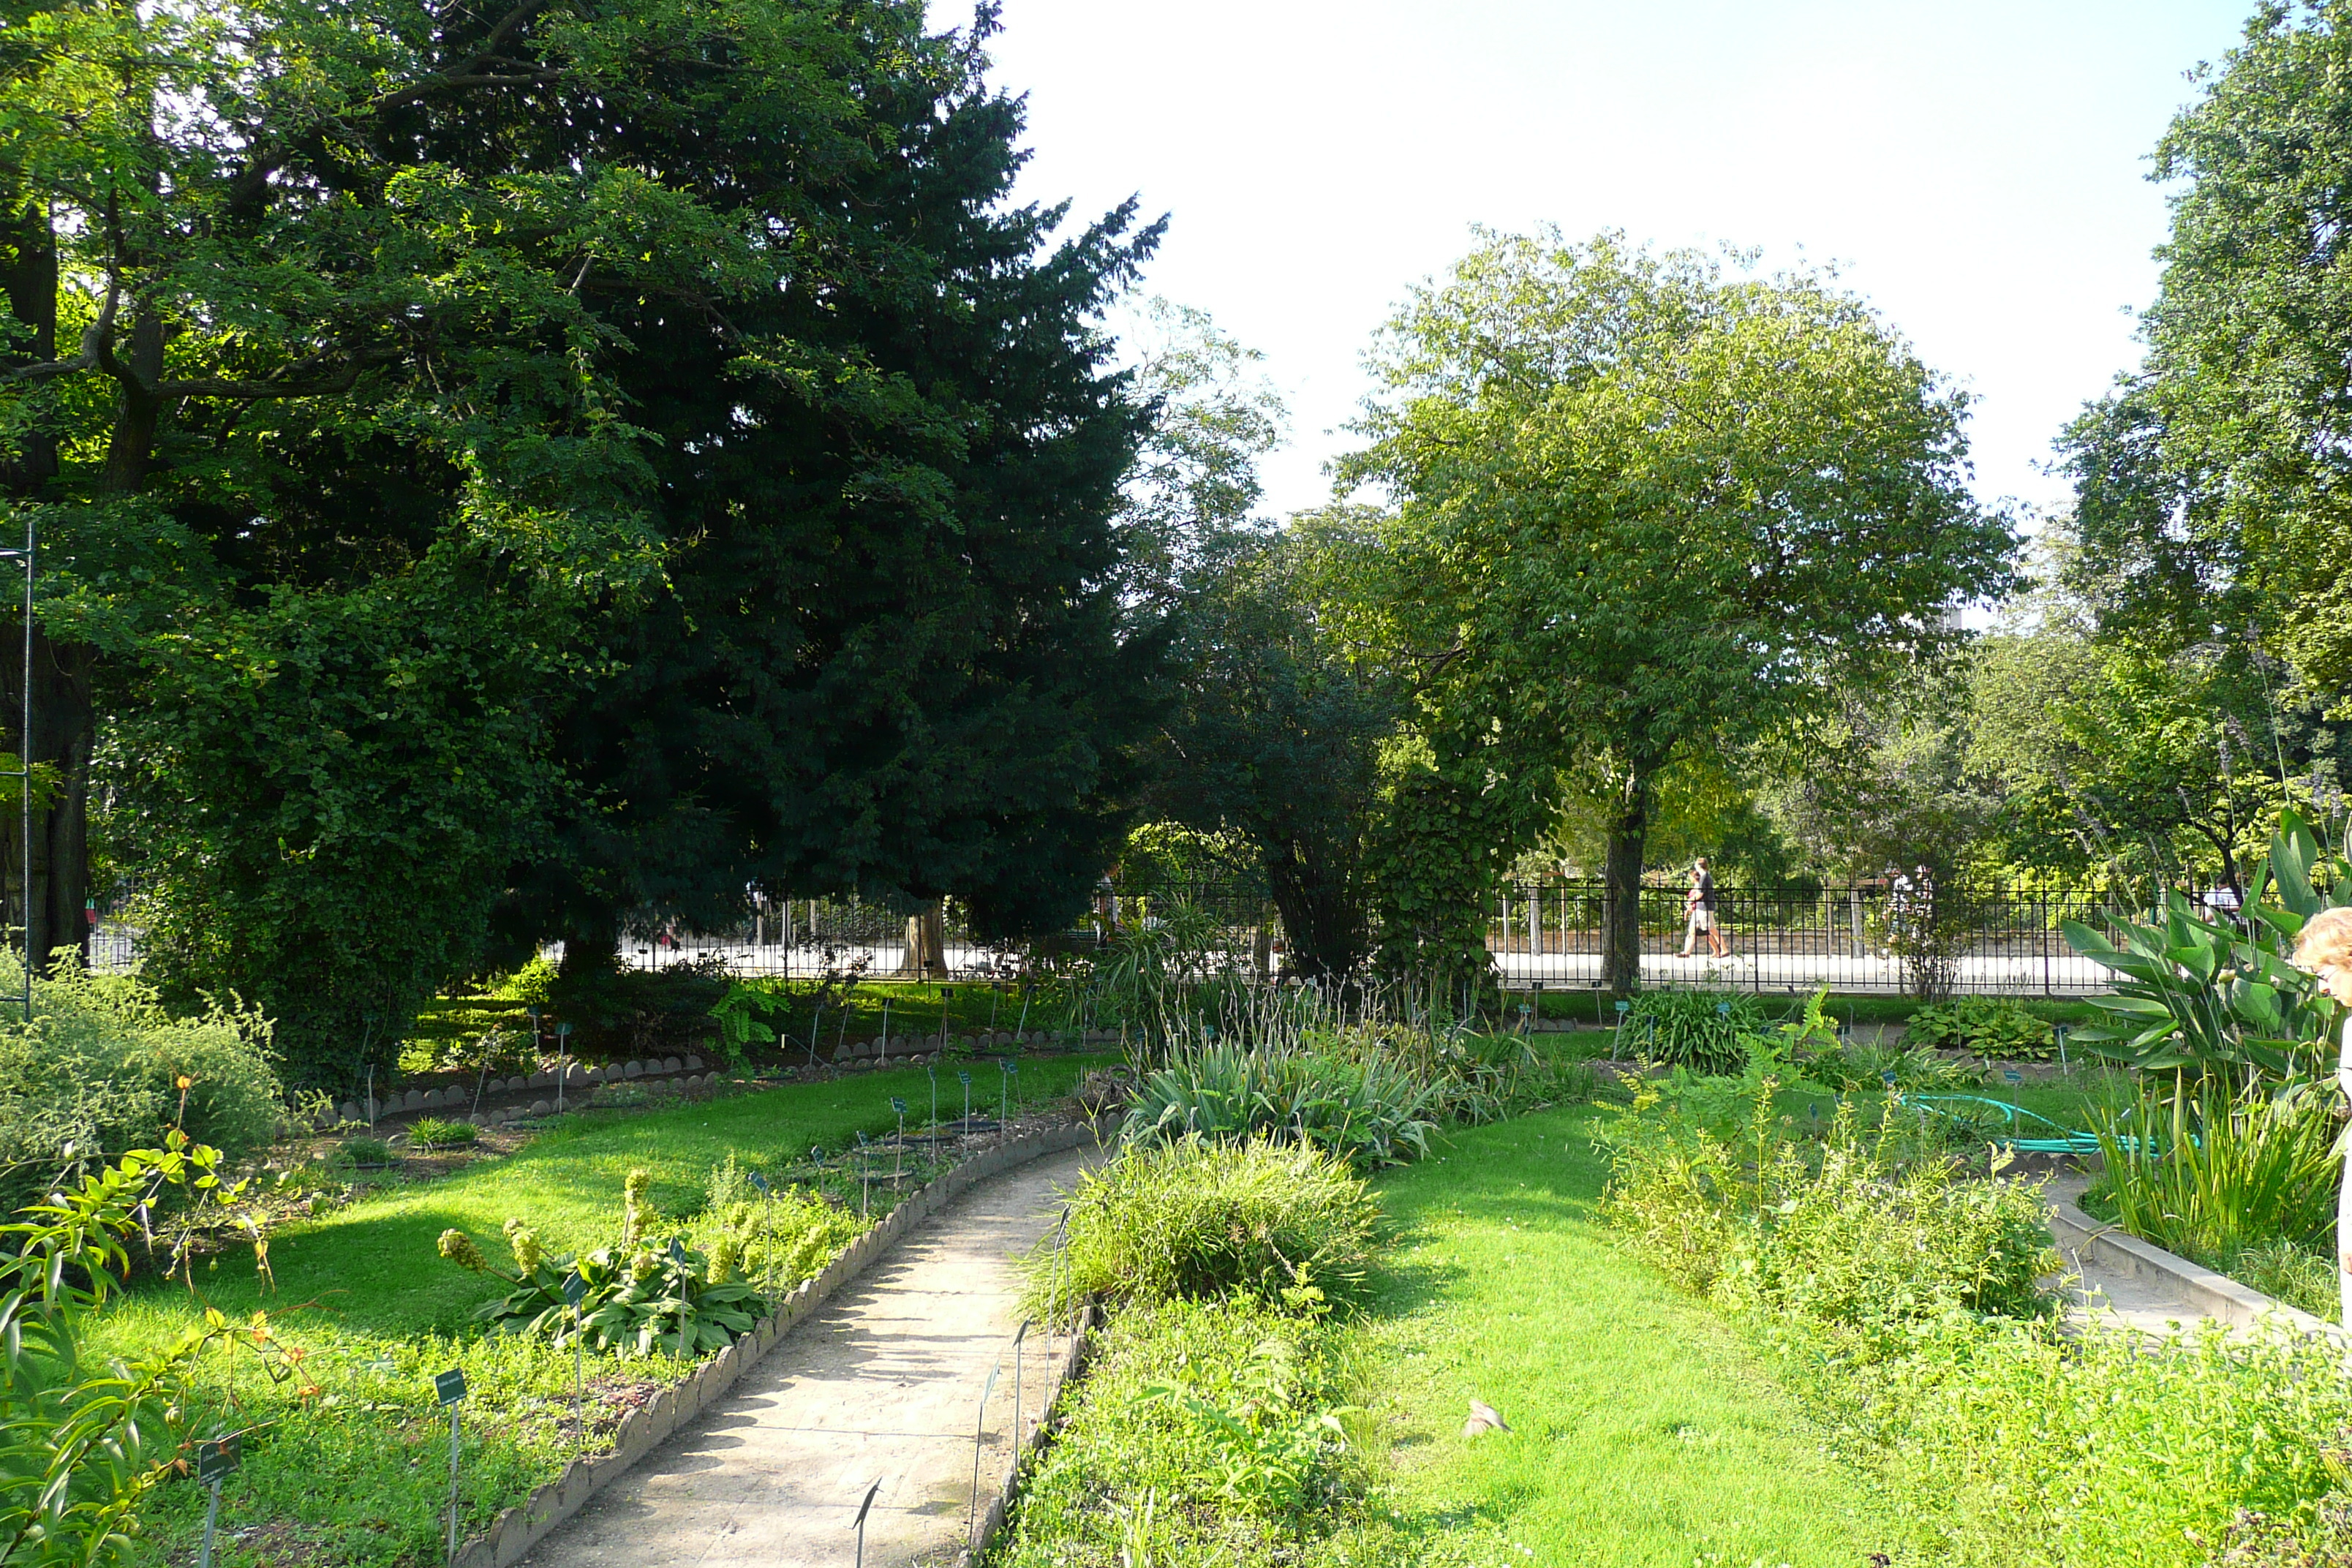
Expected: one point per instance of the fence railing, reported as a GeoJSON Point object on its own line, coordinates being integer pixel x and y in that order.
{"type": "Point", "coordinates": [1861, 937]}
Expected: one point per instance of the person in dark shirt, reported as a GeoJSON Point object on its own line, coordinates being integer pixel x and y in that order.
{"type": "Point", "coordinates": [1698, 912]}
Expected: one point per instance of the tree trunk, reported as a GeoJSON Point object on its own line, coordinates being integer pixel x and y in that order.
{"type": "Point", "coordinates": [1322, 914]}
{"type": "Point", "coordinates": [926, 943]}
{"type": "Point", "coordinates": [1629, 826]}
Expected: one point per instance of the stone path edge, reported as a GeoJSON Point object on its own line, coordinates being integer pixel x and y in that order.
{"type": "Point", "coordinates": [518, 1529]}
{"type": "Point", "coordinates": [2220, 1297]}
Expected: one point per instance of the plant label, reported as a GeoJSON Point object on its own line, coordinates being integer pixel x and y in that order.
{"type": "Point", "coordinates": [450, 1386]}
{"type": "Point", "coordinates": [897, 1105]}
{"type": "Point", "coordinates": [2011, 1076]}
{"type": "Point", "coordinates": [575, 1290]}
{"type": "Point", "coordinates": [760, 1184]}
{"type": "Point", "coordinates": [677, 1250]}
{"type": "Point", "coordinates": [218, 1456]}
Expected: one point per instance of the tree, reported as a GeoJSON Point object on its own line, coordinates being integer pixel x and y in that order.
{"type": "Point", "coordinates": [1279, 735]}
{"type": "Point", "coordinates": [1644, 506]}
{"type": "Point", "coordinates": [891, 652]}
{"type": "Point", "coordinates": [636, 446]}
{"type": "Point", "coordinates": [2214, 485]}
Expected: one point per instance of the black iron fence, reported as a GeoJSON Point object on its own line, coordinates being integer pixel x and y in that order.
{"type": "Point", "coordinates": [1882, 937]}
{"type": "Point", "coordinates": [1890, 937]}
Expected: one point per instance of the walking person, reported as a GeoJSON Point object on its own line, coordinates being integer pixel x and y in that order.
{"type": "Point", "coordinates": [1698, 912]}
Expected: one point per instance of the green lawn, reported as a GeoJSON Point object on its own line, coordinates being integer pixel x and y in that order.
{"type": "Point", "coordinates": [1646, 1431]}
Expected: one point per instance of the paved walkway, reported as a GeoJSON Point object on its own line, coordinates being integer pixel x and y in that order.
{"type": "Point", "coordinates": [883, 1383]}
{"type": "Point", "coordinates": [2107, 1299]}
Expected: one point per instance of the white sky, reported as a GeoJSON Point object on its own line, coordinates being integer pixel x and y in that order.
{"type": "Point", "coordinates": [1977, 171]}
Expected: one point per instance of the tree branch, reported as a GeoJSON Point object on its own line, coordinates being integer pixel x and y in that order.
{"type": "Point", "coordinates": [95, 339]}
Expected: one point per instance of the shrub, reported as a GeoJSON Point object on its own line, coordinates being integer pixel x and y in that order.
{"type": "Point", "coordinates": [1865, 1067]}
{"type": "Point", "coordinates": [1985, 1026]}
{"type": "Point", "coordinates": [2033, 1446]}
{"type": "Point", "coordinates": [1833, 1234]}
{"type": "Point", "coordinates": [359, 1152]}
{"type": "Point", "coordinates": [1372, 1112]}
{"type": "Point", "coordinates": [98, 1072]}
{"type": "Point", "coordinates": [637, 1299]}
{"type": "Point", "coordinates": [1702, 1030]}
{"type": "Point", "coordinates": [1194, 1218]}
{"type": "Point", "coordinates": [432, 1133]}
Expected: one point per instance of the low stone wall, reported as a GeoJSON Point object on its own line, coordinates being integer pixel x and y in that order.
{"type": "Point", "coordinates": [2216, 1296]}
{"type": "Point", "coordinates": [519, 1528]}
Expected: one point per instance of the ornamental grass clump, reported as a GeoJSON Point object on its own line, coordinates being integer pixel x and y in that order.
{"type": "Point", "coordinates": [1374, 1111]}
{"type": "Point", "coordinates": [2210, 1173]}
{"type": "Point", "coordinates": [1288, 1224]}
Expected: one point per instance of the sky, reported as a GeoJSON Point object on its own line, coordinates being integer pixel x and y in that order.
{"type": "Point", "coordinates": [1979, 172]}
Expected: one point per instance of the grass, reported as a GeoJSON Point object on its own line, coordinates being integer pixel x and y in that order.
{"type": "Point", "coordinates": [353, 1471]}
{"type": "Point", "coordinates": [1647, 1431]}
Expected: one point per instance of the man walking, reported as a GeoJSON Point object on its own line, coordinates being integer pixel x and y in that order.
{"type": "Point", "coordinates": [1698, 912]}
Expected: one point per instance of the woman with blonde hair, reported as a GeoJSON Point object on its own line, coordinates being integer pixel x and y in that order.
{"type": "Point", "coordinates": [2324, 948]}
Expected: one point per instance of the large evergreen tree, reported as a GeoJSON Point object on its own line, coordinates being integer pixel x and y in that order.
{"type": "Point", "coordinates": [633, 443]}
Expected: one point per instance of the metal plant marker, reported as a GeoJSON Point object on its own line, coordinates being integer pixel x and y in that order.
{"type": "Point", "coordinates": [215, 1460]}
{"type": "Point", "coordinates": [451, 1387]}
{"type": "Point", "coordinates": [963, 1077]}
{"type": "Point", "coordinates": [575, 1290]}
{"type": "Point", "coordinates": [979, 1435]}
{"type": "Point", "coordinates": [862, 1509]}
{"type": "Point", "coordinates": [898, 1153]}
{"type": "Point", "coordinates": [1020, 1411]}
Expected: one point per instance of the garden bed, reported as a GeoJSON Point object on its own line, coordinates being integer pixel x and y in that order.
{"type": "Point", "coordinates": [347, 1453]}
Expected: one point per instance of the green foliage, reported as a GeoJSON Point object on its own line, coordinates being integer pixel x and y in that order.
{"type": "Point", "coordinates": [1705, 1031]}
{"type": "Point", "coordinates": [1190, 1219]}
{"type": "Point", "coordinates": [2209, 1172]}
{"type": "Point", "coordinates": [359, 1153]}
{"type": "Point", "coordinates": [635, 1298]}
{"type": "Point", "coordinates": [2207, 484]}
{"type": "Point", "coordinates": [533, 985]}
{"type": "Point", "coordinates": [98, 1072]}
{"type": "Point", "coordinates": [1367, 1113]}
{"type": "Point", "coordinates": [1202, 1428]}
{"type": "Point", "coordinates": [1860, 1069]}
{"type": "Point", "coordinates": [776, 1239]}
{"type": "Point", "coordinates": [432, 1133]}
{"type": "Point", "coordinates": [1835, 1235]}
{"type": "Point", "coordinates": [1988, 1027]}
{"type": "Point", "coordinates": [2191, 992]}
{"type": "Point", "coordinates": [89, 1437]}
{"type": "Point", "coordinates": [1645, 506]}
{"type": "Point", "coordinates": [2022, 1445]}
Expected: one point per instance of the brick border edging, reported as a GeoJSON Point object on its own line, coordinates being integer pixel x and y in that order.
{"type": "Point", "coordinates": [518, 1529]}
{"type": "Point", "coordinates": [2216, 1295]}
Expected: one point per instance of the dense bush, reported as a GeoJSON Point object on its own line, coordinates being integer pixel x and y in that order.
{"type": "Point", "coordinates": [1372, 1112]}
{"type": "Point", "coordinates": [1831, 1233]}
{"type": "Point", "coordinates": [1204, 1432]}
{"type": "Point", "coordinates": [1704, 1031]}
{"type": "Point", "coordinates": [2023, 1445]}
{"type": "Point", "coordinates": [636, 1298]}
{"type": "Point", "coordinates": [98, 1072]}
{"type": "Point", "coordinates": [776, 1238]}
{"type": "Point", "coordinates": [1985, 1026]}
{"type": "Point", "coordinates": [1193, 1218]}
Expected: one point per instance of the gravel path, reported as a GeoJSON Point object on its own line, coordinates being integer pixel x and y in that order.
{"type": "Point", "coordinates": [881, 1384]}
